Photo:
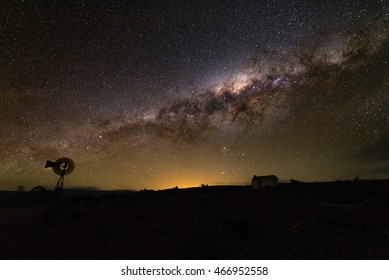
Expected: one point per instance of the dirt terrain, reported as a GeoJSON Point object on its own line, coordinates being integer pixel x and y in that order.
{"type": "Point", "coordinates": [221, 222]}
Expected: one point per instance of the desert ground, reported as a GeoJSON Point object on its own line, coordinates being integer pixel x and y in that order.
{"type": "Point", "coordinates": [332, 220]}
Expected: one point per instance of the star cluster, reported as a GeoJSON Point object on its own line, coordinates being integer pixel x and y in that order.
{"type": "Point", "coordinates": [154, 95]}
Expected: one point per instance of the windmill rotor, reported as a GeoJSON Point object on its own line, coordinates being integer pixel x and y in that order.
{"type": "Point", "coordinates": [62, 167]}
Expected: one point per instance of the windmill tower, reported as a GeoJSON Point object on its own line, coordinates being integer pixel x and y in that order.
{"type": "Point", "coordinates": [62, 167]}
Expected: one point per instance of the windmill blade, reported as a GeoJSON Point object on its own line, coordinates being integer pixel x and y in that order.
{"type": "Point", "coordinates": [64, 166]}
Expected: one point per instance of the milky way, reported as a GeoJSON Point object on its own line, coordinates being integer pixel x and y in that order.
{"type": "Point", "coordinates": [156, 96]}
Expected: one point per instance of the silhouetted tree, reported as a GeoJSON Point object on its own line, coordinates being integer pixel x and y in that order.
{"type": "Point", "coordinates": [296, 182]}
{"type": "Point", "coordinates": [39, 188]}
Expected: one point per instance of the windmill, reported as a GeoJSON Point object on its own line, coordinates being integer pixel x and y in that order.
{"type": "Point", "coordinates": [63, 166]}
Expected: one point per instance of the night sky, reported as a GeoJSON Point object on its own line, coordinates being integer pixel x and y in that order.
{"type": "Point", "coordinates": [158, 94]}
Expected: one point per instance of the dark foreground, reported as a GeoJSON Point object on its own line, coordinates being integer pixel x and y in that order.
{"type": "Point", "coordinates": [200, 223]}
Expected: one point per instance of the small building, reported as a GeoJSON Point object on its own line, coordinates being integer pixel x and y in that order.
{"type": "Point", "coordinates": [259, 182]}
